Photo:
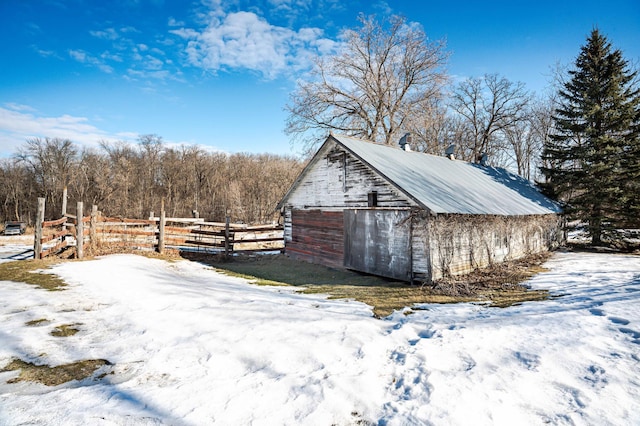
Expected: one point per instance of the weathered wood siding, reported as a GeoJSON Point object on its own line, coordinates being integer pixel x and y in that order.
{"type": "Point", "coordinates": [338, 180]}
{"type": "Point", "coordinates": [317, 236]}
{"type": "Point", "coordinates": [459, 244]}
{"type": "Point", "coordinates": [421, 258]}
{"type": "Point", "coordinates": [378, 242]}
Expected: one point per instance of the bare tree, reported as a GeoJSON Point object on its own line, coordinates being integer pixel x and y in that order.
{"type": "Point", "coordinates": [151, 181]}
{"type": "Point", "coordinates": [93, 182]}
{"type": "Point", "coordinates": [431, 127]}
{"type": "Point", "coordinates": [526, 138]}
{"type": "Point", "coordinates": [122, 159]}
{"type": "Point", "coordinates": [52, 162]}
{"type": "Point", "coordinates": [16, 189]}
{"type": "Point", "coordinates": [380, 77]}
{"type": "Point", "coordinates": [488, 106]}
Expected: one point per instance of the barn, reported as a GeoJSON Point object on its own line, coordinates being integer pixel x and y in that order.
{"type": "Point", "coordinates": [410, 216]}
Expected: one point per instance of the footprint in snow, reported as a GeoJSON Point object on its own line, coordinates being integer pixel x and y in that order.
{"type": "Point", "coordinates": [426, 334]}
{"type": "Point", "coordinates": [530, 361]}
{"type": "Point", "coordinates": [596, 375]}
{"type": "Point", "coordinates": [635, 335]}
{"type": "Point", "coordinates": [619, 321]}
{"type": "Point", "coordinates": [399, 357]}
{"type": "Point", "coordinates": [597, 312]}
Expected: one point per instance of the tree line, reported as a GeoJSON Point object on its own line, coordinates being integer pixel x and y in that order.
{"type": "Point", "coordinates": [131, 180]}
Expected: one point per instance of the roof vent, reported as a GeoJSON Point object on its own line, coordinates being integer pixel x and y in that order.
{"type": "Point", "coordinates": [450, 152]}
{"type": "Point", "coordinates": [405, 142]}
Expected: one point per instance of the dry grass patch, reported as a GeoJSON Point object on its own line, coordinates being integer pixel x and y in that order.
{"type": "Point", "coordinates": [105, 249]}
{"type": "Point", "coordinates": [36, 322]}
{"type": "Point", "coordinates": [25, 271]}
{"type": "Point", "coordinates": [53, 376]}
{"type": "Point", "coordinates": [65, 330]}
{"type": "Point", "coordinates": [499, 286]}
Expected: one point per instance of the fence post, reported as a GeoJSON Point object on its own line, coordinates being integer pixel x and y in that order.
{"type": "Point", "coordinates": [92, 227]}
{"type": "Point", "coordinates": [37, 239]}
{"type": "Point", "coordinates": [64, 205]}
{"type": "Point", "coordinates": [226, 236]}
{"type": "Point", "coordinates": [161, 228]}
{"type": "Point", "coordinates": [79, 232]}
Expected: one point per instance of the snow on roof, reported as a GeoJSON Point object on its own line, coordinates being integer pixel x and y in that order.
{"type": "Point", "coordinates": [451, 186]}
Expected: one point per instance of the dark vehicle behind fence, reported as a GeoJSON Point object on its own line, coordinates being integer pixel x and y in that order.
{"type": "Point", "coordinates": [14, 228]}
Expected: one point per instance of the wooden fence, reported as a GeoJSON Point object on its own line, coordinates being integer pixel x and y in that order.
{"type": "Point", "coordinates": [70, 235]}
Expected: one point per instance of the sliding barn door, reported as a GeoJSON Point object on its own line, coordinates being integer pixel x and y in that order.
{"type": "Point", "coordinates": [378, 242]}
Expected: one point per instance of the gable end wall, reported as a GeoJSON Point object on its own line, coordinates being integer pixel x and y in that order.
{"type": "Point", "coordinates": [338, 181]}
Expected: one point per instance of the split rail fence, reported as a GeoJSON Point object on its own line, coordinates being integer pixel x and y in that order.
{"type": "Point", "coordinates": [71, 235]}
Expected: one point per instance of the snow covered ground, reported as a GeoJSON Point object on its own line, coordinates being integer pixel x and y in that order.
{"type": "Point", "coordinates": [16, 247]}
{"type": "Point", "coordinates": [190, 346]}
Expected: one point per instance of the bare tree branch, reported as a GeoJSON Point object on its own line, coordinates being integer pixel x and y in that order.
{"type": "Point", "coordinates": [373, 87]}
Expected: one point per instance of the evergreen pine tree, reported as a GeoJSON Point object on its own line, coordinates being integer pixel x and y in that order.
{"type": "Point", "coordinates": [592, 158]}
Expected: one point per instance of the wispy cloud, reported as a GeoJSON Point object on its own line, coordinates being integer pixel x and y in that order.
{"type": "Point", "coordinates": [108, 56]}
{"type": "Point", "coordinates": [44, 53]}
{"type": "Point", "coordinates": [175, 23]}
{"type": "Point", "coordinates": [19, 107]}
{"type": "Point", "coordinates": [21, 122]}
{"type": "Point", "coordinates": [107, 34]}
{"type": "Point", "coordinates": [85, 58]}
{"type": "Point", "coordinates": [137, 61]}
{"type": "Point", "coordinates": [244, 40]}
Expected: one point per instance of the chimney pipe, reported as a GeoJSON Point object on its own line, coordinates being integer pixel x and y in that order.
{"type": "Point", "coordinates": [405, 142]}
{"type": "Point", "coordinates": [450, 152]}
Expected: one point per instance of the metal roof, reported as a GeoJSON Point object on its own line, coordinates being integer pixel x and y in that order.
{"type": "Point", "coordinates": [451, 186]}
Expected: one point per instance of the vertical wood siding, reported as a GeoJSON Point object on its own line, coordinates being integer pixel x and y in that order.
{"type": "Point", "coordinates": [379, 242]}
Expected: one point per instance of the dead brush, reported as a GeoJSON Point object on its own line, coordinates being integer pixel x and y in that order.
{"type": "Point", "coordinates": [53, 376]}
{"type": "Point", "coordinates": [451, 287]}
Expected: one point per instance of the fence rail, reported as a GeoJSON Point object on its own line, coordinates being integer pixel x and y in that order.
{"type": "Point", "coordinates": [69, 235]}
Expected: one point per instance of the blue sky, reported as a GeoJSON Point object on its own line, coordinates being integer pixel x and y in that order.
{"type": "Point", "coordinates": [219, 73]}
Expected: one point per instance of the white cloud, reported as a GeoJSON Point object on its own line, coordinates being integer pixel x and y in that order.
{"type": "Point", "coordinates": [175, 23]}
{"type": "Point", "coordinates": [44, 53]}
{"type": "Point", "coordinates": [111, 57]}
{"type": "Point", "coordinates": [19, 107]}
{"type": "Point", "coordinates": [78, 55]}
{"type": "Point", "coordinates": [21, 122]}
{"type": "Point", "coordinates": [152, 63]}
{"type": "Point", "coordinates": [244, 40]}
{"type": "Point", "coordinates": [85, 58]}
{"type": "Point", "coordinates": [108, 34]}
{"type": "Point", "coordinates": [129, 29]}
